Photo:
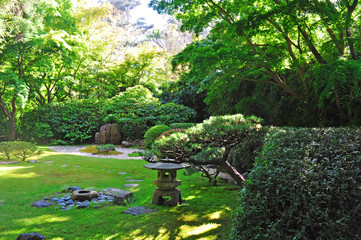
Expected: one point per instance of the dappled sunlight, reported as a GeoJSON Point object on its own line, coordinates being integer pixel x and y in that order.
{"type": "Point", "coordinates": [188, 231]}
{"type": "Point", "coordinates": [214, 216]}
{"type": "Point", "coordinates": [10, 171]}
{"type": "Point", "coordinates": [42, 219]}
{"type": "Point", "coordinates": [163, 234]}
{"type": "Point", "coordinates": [189, 198]}
{"type": "Point", "coordinates": [112, 236]}
{"type": "Point", "coordinates": [188, 217]}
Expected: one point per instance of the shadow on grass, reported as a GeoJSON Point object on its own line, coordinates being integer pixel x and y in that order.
{"type": "Point", "coordinates": [206, 213]}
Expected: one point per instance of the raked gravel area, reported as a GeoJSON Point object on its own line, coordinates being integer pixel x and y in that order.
{"type": "Point", "coordinates": [75, 150]}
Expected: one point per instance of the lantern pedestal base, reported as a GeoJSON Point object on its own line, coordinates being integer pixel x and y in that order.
{"type": "Point", "coordinates": [174, 194]}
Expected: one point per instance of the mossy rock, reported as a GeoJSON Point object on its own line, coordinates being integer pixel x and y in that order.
{"type": "Point", "coordinates": [92, 149]}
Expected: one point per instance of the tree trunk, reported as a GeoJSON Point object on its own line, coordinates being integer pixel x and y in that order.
{"type": "Point", "coordinates": [12, 127]}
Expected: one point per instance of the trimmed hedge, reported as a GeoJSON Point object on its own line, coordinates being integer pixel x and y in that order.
{"type": "Point", "coordinates": [305, 185]}
{"type": "Point", "coordinates": [153, 133]}
{"type": "Point", "coordinates": [182, 125]}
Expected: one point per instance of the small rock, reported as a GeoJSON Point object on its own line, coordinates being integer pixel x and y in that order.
{"type": "Point", "coordinates": [109, 171]}
{"type": "Point", "coordinates": [46, 198]}
{"type": "Point", "coordinates": [31, 236]}
{"type": "Point", "coordinates": [55, 199]}
{"type": "Point", "coordinates": [33, 161]}
{"type": "Point", "coordinates": [76, 166]}
{"type": "Point", "coordinates": [122, 173]}
{"type": "Point", "coordinates": [64, 165]}
{"type": "Point", "coordinates": [62, 204]}
{"type": "Point", "coordinates": [127, 144]}
{"type": "Point", "coordinates": [84, 204]}
{"type": "Point", "coordinates": [69, 202]}
{"type": "Point", "coordinates": [49, 162]}
{"type": "Point", "coordinates": [41, 204]}
{"type": "Point", "coordinates": [70, 205]}
{"type": "Point", "coordinates": [134, 180]}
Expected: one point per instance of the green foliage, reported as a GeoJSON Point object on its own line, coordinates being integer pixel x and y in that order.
{"type": "Point", "coordinates": [262, 60]}
{"type": "Point", "coordinates": [74, 122]}
{"type": "Point", "coordinates": [182, 125]}
{"type": "Point", "coordinates": [6, 148]}
{"type": "Point", "coordinates": [172, 113]}
{"type": "Point", "coordinates": [153, 133]}
{"type": "Point", "coordinates": [135, 110]}
{"type": "Point", "coordinates": [210, 142]}
{"type": "Point", "coordinates": [303, 186]}
{"type": "Point", "coordinates": [132, 109]}
{"type": "Point", "coordinates": [20, 149]}
{"type": "Point", "coordinates": [24, 150]}
{"type": "Point", "coordinates": [105, 148]}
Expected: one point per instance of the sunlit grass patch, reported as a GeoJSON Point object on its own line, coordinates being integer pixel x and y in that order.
{"type": "Point", "coordinates": [205, 214]}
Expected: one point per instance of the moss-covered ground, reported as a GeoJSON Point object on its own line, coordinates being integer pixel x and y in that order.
{"type": "Point", "coordinates": [205, 214]}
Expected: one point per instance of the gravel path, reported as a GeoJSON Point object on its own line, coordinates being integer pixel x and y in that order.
{"type": "Point", "coordinates": [75, 150]}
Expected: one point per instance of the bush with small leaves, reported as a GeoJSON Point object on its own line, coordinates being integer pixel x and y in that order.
{"type": "Point", "coordinates": [305, 185]}
{"type": "Point", "coordinates": [6, 149]}
{"type": "Point", "coordinates": [105, 148]}
{"type": "Point", "coordinates": [24, 150]}
{"type": "Point", "coordinates": [153, 133]}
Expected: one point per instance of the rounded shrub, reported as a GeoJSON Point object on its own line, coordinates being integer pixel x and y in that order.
{"type": "Point", "coordinates": [153, 133]}
{"type": "Point", "coordinates": [305, 185]}
{"type": "Point", "coordinates": [182, 125]}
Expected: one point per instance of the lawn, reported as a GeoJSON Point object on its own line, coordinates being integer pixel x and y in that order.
{"type": "Point", "coordinates": [205, 214]}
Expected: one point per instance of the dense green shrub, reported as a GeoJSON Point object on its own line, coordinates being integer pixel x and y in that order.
{"type": "Point", "coordinates": [6, 149]}
{"type": "Point", "coordinates": [174, 113]}
{"type": "Point", "coordinates": [153, 133]}
{"type": "Point", "coordinates": [73, 122]}
{"type": "Point", "coordinates": [105, 148]}
{"type": "Point", "coordinates": [20, 149]}
{"type": "Point", "coordinates": [24, 150]}
{"type": "Point", "coordinates": [305, 185]}
{"type": "Point", "coordinates": [182, 125]}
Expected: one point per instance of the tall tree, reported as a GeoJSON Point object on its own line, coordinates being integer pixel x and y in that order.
{"type": "Point", "coordinates": [269, 42]}
{"type": "Point", "coordinates": [24, 33]}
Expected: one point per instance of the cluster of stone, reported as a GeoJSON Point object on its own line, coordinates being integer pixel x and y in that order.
{"type": "Point", "coordinates": [84, 198]}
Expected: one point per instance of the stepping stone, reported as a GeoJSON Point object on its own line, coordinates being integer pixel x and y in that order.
{"type": "Point", "coordinates": [8, 162]}
{"type": "Point", "coordinates": [49, 162]}
{"type": "Point", "coordinates": [121, 173]}
{"type": "Point", "coordinates": [109, 171]}
{"type": "Point", "coordinates": [64, 165]}
{"type": "Point", "coordinates": [139, 211]}
{"type": "Point", "coordinates": [34, 235]}
{"type": "Point", "coordinates": [33, 161]}
{"type": "Point", "coordinates": [134, 180]}
{"type": "Point", "coordinates": [76, 166]}
{"type": "Point", "coordinates": [128, 177]}
{"type": "Point", "coordinates": [131, 185]}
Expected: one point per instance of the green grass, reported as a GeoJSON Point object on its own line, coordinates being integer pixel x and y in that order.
{"type": "Point", "coordinates": [206, 213]}
{"type": "Point", "coordinates": [134, 154]}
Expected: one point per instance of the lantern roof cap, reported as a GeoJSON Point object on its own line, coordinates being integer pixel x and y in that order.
{"type": "Point", "coordinates": [166, 166]}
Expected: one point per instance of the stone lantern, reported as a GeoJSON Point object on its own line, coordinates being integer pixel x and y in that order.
{"type": "Point", "coordinates": [167, 182]}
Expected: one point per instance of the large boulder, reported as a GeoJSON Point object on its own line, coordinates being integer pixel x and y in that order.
{"type": "Point", "coordinates": [109, 133]}
{"type": "Point", "coordinates": [97, 138]}
{"type": "Point", "coordinates": [121, 197]}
